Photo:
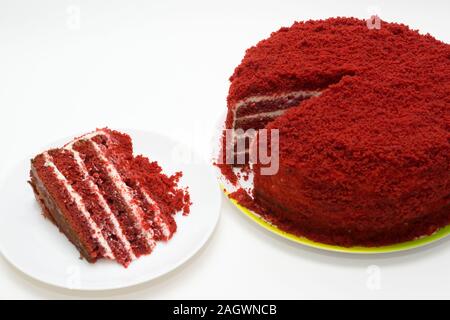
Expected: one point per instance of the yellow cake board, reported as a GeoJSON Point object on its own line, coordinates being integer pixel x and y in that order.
{"type": "Point", "coordinates": [442, 233]}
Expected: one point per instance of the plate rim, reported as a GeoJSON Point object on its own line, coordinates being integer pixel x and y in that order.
{"type": "Point", "coordinates": [356, 250]}
{"type": "Point", "coordinates": [140, 280]}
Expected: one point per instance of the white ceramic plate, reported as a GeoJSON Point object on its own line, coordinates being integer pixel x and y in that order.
{"type": "Point", "coordinates": [35, 246]}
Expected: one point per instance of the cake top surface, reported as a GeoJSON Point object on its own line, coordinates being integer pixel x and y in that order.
{"type": "Point", "coordinates": [385, 92]}
{"type": "Point", "coordinates": [316, 54]}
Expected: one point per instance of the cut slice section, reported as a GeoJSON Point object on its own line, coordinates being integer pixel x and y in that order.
{"type": "Point", "coordinates": [107, 202]}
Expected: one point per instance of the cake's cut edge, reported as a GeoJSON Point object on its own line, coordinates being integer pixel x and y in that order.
{"type": "Point", "coordinates": [91, 190]}
{"type": "Point", "coordinates": [52, 211]}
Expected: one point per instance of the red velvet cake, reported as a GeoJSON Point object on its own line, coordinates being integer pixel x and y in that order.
{"type": "Point", "coordinates": [364, 130]}
{"type": "Point", "coordinates": [109, 203]}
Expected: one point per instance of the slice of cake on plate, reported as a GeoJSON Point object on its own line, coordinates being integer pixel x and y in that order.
{"type": "Point", "coordinates": [109, 203]}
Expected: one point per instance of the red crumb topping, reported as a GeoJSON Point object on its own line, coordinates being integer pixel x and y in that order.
{"type": "Point", "coordinates": [244, 198]}
{"type": "Point", "coordinates": [164, 188]}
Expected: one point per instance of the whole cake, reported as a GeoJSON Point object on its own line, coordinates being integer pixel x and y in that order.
{"type": "Point", "coordinates": [109, 203]}
{"type": "Point", "coordinates": [364, 130]}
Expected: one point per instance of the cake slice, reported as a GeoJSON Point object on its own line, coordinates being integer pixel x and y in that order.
{"type": "Point", "coordinates": [109, 203]}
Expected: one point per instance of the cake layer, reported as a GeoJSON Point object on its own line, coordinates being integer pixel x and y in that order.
{"type": "Point", "coordinates": [256, 105]}
{"type": "Point", "coordinates": [257, 121]}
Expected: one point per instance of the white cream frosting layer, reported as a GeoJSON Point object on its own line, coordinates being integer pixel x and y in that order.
{"type": "Point", "coordinates": [157, 211]}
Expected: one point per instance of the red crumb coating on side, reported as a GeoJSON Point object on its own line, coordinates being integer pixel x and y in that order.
{"type": "Point", "coordinates": [97, 169]}
{"type": "Point", "coordinates": [227, 171]}
{"type": "Point", "coordinates": [225, 168]}
{"type": "Point", "coordinates": [164, 189]}
{"type": "Point", "coordinates": [120, 151]}
{"type": "Point", "coordinates": [66, 163]}
{"type": "Point", "coordinates": [244, 198]}
{"type": "Point", "coordinates": [72, 216]}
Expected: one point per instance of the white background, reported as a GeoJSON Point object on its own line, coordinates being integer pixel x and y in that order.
{"type": "Point", "coordinates": [164, 66]}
